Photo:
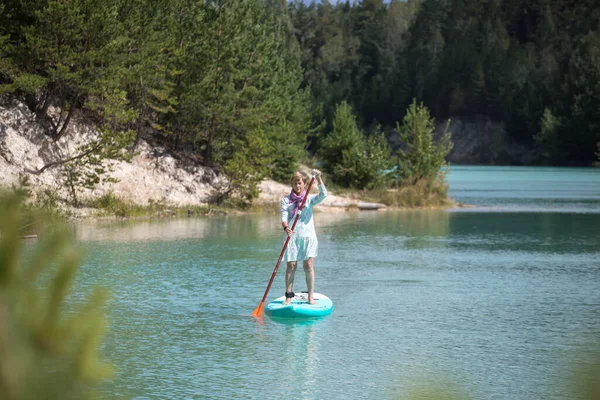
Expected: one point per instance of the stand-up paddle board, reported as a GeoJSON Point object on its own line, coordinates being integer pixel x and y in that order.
{"type": "Point", "coordinates": [299, 307]}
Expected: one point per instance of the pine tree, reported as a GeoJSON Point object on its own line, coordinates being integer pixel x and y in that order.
{"type": "Point", "coordinates": [75, 48]}
{"type": "Point", "coordinates": [420, 158]}
{"type": "Point", "coordinates": [547, 140]}
{"type": "Point", "coordinates": [154, 63]}
{"type": "Point", "coordinates": [244, 78]}
{"type": "Point", "coordinates": [345, 135]}
{"type": "Point", "coordinates": [581, 96]}
{"type": "Point", "coordinates": [354, 160]}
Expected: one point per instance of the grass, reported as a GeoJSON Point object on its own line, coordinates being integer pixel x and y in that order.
{"type": "Point", "coordinates": [423, 194]}
{"type": "Point", "coordinates": [111, 205]}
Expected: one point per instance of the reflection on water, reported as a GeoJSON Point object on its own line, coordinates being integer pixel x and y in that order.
{"type": "Point", "coordinates": [234, 227]}
{"type": "Point", "coordinates": [301, 356]}
{"type": "Point", "coordinates": [408, 223]}
{"type": "Point", "coordinates": [140, 231]}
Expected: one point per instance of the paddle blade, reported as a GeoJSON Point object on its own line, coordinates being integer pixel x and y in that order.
{"type": "Point", "coordinates": [258, 312]}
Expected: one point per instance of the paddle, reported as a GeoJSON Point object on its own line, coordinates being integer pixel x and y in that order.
{"type": "Point", "coordinates": [259, 310]}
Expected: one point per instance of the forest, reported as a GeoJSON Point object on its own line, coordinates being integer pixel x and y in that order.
{"type": "Point", "coordinates": [254, 87]}
{"type": "Point", "coordinates": [532, 65]}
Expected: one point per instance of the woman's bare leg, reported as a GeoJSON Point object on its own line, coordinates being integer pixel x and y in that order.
{"type": "Point", "coordinates": [289, 279]}
{"type": "Point", "coordinates": [309, 271]}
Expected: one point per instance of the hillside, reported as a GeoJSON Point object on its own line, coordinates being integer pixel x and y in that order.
{"type": "Point", "coordinates": [153, 175]}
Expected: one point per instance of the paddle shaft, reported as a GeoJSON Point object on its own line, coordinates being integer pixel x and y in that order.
{"type": "Point", "coordinates": [287, 241]}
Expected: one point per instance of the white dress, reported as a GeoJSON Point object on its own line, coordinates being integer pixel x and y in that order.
{"type": "Point", "coordinates": [303, 243]}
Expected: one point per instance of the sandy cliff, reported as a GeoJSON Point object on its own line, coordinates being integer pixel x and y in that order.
{"type": "Point", "coordinates": [152, 175]}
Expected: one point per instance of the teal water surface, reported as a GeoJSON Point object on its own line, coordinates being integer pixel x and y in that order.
{"type": "Point", "coordinates": [501, 301]}
{"type": "Point", "coordinates": [541, 189]}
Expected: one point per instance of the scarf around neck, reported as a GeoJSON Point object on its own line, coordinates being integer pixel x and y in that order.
{"type": "Point", "coordinates": [296, 200]}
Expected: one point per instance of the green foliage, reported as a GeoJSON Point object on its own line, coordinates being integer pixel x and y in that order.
{"type": "Point", "coordinates": [421, 158]}
{"type": "Point", "coordinates": [93, 161]}
{"type": "Point", "coordinates": [245, 170]}
{"type": "Point", "coordinates": [344, 136]}
{"type": "Point", "coordinates": [580, 117]}
{"type": "Point", "coordinates": [68, 53]}
{"type": "Point", "coordinates": [111, 205]}
{"type": "Point", "coordinates": [354, 160]}
{"type": "Point", "coordinates": [47, 349]}
{"type": "Point", "coordinates": [67, 61]}
{"type": "Point", "coordinates": [11, 77]}
{"type": "Point", "coordinates": [22, 189]}
{"type": "Point", "coordinates": [507, 61]}
{"type": "Point", "coordinates": [163, 60]}
{"type": "Point", "coordinates": [362, 165]}
{"type": "Point", "coordinates": [548, 140]}
{"type": "Point", "coordinates": [47, 200]}
{"type": "Point", "coordinates": [44, 200]}
{"type": "Point", "coordinates": [244, 76]}
{"type": "Point", "coordinates": [287, 150]}
{"type": "Point", "coordinates": [199, 76]}
{"type": "Point", "coordinates": [424, 193]}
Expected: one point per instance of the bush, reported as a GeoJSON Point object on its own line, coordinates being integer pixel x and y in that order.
{"type": "Point", "coordinates": [424, 193]}
{"type": "Point", "coordinates": [113, 205]}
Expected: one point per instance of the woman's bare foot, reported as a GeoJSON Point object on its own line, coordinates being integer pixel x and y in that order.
{"type": "Point", "coordinates": [311, 301]}
{"type": "Point", "coordinates": [287, 302]}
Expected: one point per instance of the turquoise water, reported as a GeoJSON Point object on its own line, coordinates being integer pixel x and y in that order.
{"type": "Point", "coordinates": [572, 190]}
{"type": "Point", "coordinates": [501, 301]}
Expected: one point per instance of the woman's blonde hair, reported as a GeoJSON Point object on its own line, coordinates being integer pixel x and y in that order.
{"type": "Point", "coordinates": [299, 175]}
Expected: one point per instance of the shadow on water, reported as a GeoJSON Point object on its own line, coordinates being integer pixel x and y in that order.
{"type": "Point", "coordinates": [545, 232]}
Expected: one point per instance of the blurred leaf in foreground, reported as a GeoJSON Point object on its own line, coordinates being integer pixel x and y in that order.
{"type": "Point", "coordinates": [47, 350]}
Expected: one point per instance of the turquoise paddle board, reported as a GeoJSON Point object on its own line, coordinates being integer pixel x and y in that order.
{"type": "Point", "coordinates": [299, 307]}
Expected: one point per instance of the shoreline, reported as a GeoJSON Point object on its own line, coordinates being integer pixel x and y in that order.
{"type": "Point", "coordinates": [95, 214]}
{"type": "Point", "coordinates": [154, 183]}
{"type": "Point", "coordinates": [115, 206]}
{"type": "Point", "coordinates": [118, 209]}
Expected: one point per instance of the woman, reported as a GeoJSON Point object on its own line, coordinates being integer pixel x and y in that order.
{"type": "Point", "coordinates": [303, 242]}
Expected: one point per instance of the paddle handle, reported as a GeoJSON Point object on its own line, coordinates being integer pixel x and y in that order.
{"type": "Point", "coordinates": [287, 241]}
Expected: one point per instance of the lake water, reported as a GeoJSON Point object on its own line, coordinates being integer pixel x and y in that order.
{"type": "Point", "coordinates": [500, 301]}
